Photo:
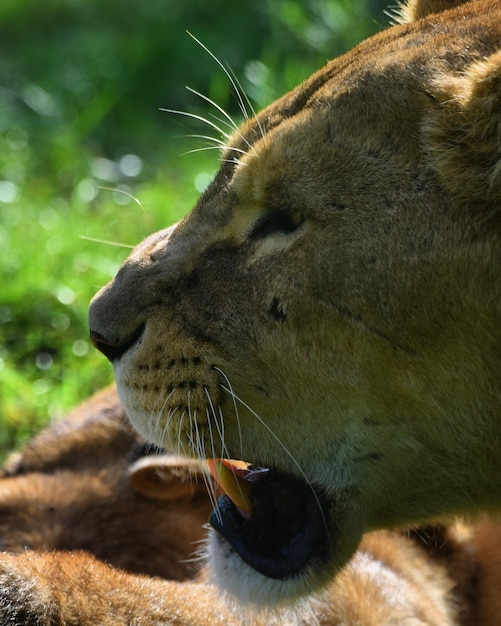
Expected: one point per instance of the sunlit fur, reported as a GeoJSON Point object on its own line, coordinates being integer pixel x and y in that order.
{"type": "Point", "coordinates": [330, 308]}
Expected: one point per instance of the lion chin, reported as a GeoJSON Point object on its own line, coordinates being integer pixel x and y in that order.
{"type": "Point", "coordinates": [329, 310]}
{"type": "Point", "coordinates": [233, 576]}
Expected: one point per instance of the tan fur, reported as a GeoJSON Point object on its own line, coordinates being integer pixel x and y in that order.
{"type": "Point", "coordinates": [331, 307]}
{"type": "Point", "coordinates": [81, 486]}
{"type": "Point", "coordinates": [388, 582]}
{"type": "Point", "coordinates": [50, 511]}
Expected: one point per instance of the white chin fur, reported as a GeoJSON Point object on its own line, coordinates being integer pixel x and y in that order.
{"type": "Point", "coordinates": [254, 597]}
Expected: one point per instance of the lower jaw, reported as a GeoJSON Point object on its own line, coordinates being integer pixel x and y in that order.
{"type": "Point", "coordinates": [239, 581]}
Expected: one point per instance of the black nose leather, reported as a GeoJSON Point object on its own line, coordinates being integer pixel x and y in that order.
{"type": "Point", "coordinates": [111, 350]}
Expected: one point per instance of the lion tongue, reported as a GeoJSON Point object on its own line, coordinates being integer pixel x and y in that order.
{"type": "Point", "coordinates": [236, 478]}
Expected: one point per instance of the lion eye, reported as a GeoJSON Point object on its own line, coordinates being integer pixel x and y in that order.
{"type": "Point", "coordinates": [276, 222]}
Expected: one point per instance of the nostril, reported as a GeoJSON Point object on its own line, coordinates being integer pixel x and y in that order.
{"type": "Point", "coordinates": [111, 350]}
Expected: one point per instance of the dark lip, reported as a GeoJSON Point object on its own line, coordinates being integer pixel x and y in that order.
{"type": "Point", "coordinates": [286, 532]}
{"type": "Point", "coordinates": [114, 351]}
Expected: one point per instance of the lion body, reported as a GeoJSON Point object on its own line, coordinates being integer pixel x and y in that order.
{"type": "Point", "coordinates": [90, 483]}
{"type": "Point", "coordinates": [330, 309]}
{"type": "Point", "coordinates": [389, 581]}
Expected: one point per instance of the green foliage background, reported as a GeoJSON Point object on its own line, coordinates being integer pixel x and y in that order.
{"type": "Point", "coordinates": [86, 156]}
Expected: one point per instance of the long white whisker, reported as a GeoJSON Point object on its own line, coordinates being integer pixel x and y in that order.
{"type": "Point", "coordinates": [106, 241]}
{"type": "Point", "coordinates": [222, 144]}
{"type": "Point", "coordinates": [201, 150]}
{"type": "Point", "coordinates": [242, 137]}
{"type": "Point", "coordinates": [157, 435]}
{"type": "Point", "coordinates": [235, 407]}
{"type": "Point", "coordinates": [215, 140]}
{"type": "Point", "coordinates": [240, 101]}
{"type": "Point", "coordinates": [211, 488]}
{"type": "Point", "coordinates": [162, 434]}
{"type": "Point", "coordinates": [211, 436]}
{"type": "Point", "coordinates": [287, 452]}
{"type": "Point", "coordinates": [181, 449]}
{"type": "Point", "coordinates": [224, 450]}
{"type": "Point", "coordinates": [216, 106]}
{"type": "Point", "coordinates": [192, 424]}
{"type": "Point", "coordinates": [233, 161]}
{"type": "Point", "coordinates": [192, 474]}
{"type": "Point", "coordinates": [199, 118]}
{"type": "Point", "coordinates": [222, 121]}
{"type": "Point", "coordinates": [242, 90]}
{"type": "Point", "coordinates": [220, 429]}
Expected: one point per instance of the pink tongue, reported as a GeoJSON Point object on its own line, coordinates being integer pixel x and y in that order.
{"type": "Point", "coordinates": [236, 479]}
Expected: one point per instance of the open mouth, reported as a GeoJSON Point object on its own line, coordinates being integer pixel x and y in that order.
{"type": "Point", "coordinates": [274, 521]}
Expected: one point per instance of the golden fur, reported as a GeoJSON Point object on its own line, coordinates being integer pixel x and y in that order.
{"type": "Point", "coordinates": [139, 511]}
{"type": "Point", "coordinates": [330, 309]}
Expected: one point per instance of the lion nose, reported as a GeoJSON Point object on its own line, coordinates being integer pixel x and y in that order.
{"type": "Point", "coordinates": [112, 350]}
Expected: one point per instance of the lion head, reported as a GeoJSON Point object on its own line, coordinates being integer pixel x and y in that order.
{"type": "Point", "coordinates": [330, 309]}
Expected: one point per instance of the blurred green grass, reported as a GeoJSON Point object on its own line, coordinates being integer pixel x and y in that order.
{"type": "Point", "coordinates": [89, 166]}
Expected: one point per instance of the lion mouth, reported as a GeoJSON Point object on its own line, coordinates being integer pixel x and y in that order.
{"type": "Point", "coordinates": [275, 522]}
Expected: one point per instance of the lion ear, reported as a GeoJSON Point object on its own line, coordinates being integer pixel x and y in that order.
{"type": "Point", "coordinates": [416, 9]}
{"type": "Point", "coordinates": [168, 477]}
{"type": "Point", "coordinates": [464, 134]}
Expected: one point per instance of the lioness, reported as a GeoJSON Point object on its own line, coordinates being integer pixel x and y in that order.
{"type": "Point", "coordinates": [330, 310]}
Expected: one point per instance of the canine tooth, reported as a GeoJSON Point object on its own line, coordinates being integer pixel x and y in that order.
{"type": "Point", "coordinates": [236, 478]}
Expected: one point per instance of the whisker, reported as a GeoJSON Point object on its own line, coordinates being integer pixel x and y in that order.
{"type": "Point", "coordinates": [170, 415]}
{"type": "Point", "coordinates": [181, 449]}
{"type": "Point", "coordinates": [200, 550]}
{"type": "Point", "coordinates": [232, 161]}
{"type": "Point", "coordinates": [220, 429]}
{"type": "Point", "coordinates": [106, 242]}
{"type": "Point", "coordinates": [224, 454]}
{"type": "Point", "coordinates": [211, 487]}
{"type": "Point", "coordinates": [215, 140]}
{"type": "Point", "coordinates": [224, 449]}
{"type": "Point", "coordinates": [154, 421]}
{"type": "Point", "coordinates": [223, 121]}
{"type": "Point", "coordinates": [286, 450]}
{"type": "Point", "coordinates": [190, 429]}
{"type": "Point", "coordinates": [199, 118]}
{"type": "Point", "coordinates": [242, 137]}
{"type": "Point", "coordinates": [235, 407]}
{"type": "Point", "coordinates": [221, 144]}
{"type": "Point", "coordinates": [242, 90]}
{"type": "Point", "coordinates": [228, 117]}
{"type": "Point", "coordinates": [155, 431]}
{"type": "Point", "coordinates": [234, 84]}
{"type": "Point", "coordinates": [228, 120]}
{"type": "Point", "coordinates": [125, 193]}
{"type": "Point", "coordinates": [211, 436]}
{"type": "Point", "coordinates": [211, 491]}
{"type": "Point", "coordinates": [201, 150]}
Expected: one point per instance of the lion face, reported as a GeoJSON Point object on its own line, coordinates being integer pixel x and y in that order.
{"type": "Point", "coordinates": [327, 311]}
